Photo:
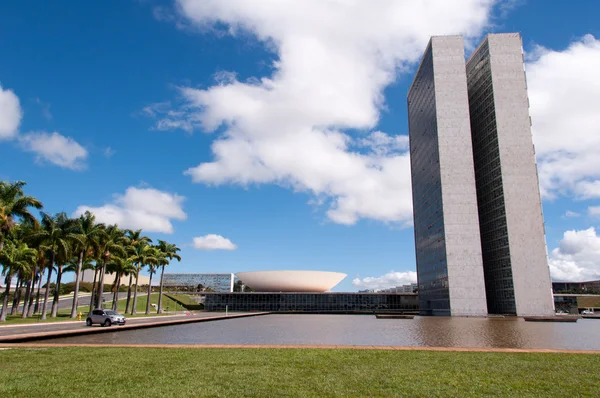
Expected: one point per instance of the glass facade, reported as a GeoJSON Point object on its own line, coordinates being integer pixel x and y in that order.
{"type": "Point", "coordinates": [311, 302]}
{"type": "Point", "coordinates": [216, 282]}
{"type": "Point", "coordinates": [488, 176]}
{"type": "Point", "coordinates": [428, 215]}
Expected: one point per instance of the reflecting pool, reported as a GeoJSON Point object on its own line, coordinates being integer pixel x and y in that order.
{"type": "Point", "coordinates": [364, 330]}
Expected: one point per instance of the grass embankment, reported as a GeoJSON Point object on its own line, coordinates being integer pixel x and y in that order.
{"type": "Point", "coordinates": [186, 301]}
{"type": "Point", "coordinates": [176, 372]}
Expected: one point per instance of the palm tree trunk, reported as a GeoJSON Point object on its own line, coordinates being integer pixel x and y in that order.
{"type": "Point", "coordinates": [116, 298]}
{"type": "Point", "coordinates": [32, 292]}
{"type": "Point", "coordinates": [47, 293]}
{"type": "Point", "coordinates": [128, 293]}
{"type": "Point", "coordinates": [17, 297]}
{"type": "Point", "coordinates": [100, 295]}
{"type": "Point", "coordinates": [25, 301]}
{"type": "Point", "coordinates": [56, 292]}
{"type": "Point", "coordinates": [76, 292]}
{"type": "Point", "coordinates": [39, 288]}
{"type": "Point", "coordinates": [93, 296]}
{"type": "Point", "coordinates": [137, 278]}
{"type": "Point", "coordinates": [7, 281]}
{"type": "Point", "coordinates": [149, 292]}
{"type": "Point", "coordinates": [162, 273]}
{"type": "Point", "coordinates": [114, 291]}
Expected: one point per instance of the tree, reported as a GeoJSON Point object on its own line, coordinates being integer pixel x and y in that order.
{"type": "Point", "coordinates": [119, 266]}
{"type": "Point", "coordinates": [170, 251]}
{"type": "Point", "coordinates": [53, 234]}
{"type": "Point", "coordinates": [156, 259]}
{"type": "Point", "coordinates": [87, 236]}
{"type": "Point", "coordinates": [14, 204]}
{"type": "Point", "coordinates": [67, 226]}
{"type": "Point", "coordinates": [15, 257]}
{"type": "Point", "coordinates": [111, 242]}
{"type": "Point", "coordinates": [141, 257]}
{"type": "Point", "coordinates": [135, 239]}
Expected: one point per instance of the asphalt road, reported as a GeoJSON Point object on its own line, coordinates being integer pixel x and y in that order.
{"type": "Point", "coordinates": [67, 302]}
{"type": "Point", "coordinates": [10, 330]}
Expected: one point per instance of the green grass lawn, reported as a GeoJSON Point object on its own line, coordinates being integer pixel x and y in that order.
{"type": "Point", "coordinates": [167, 303]}
{"type": "Point", "coordinates": [175, 372]}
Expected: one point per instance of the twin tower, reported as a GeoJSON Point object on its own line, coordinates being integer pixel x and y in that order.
{"type": "Point", "coordinates": [479, 228]}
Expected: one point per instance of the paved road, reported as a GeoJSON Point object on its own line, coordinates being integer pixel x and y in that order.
{"type": "Point", "coordinates": [67, 302]}
{"type": "Point", "coordinates": [11, 330]}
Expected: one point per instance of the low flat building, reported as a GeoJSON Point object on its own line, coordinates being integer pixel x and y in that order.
{"type": "Point", "coordinates": [328, 302]}
{"type": "Point", "coordinates": [109, 279]}
{"type": "Point", "coordinates": [588, 286]}
{"type": "Point", "coordinates": [199, 282]}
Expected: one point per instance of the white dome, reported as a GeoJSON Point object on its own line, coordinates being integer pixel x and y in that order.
{"type": "Point", "coordinates": [291, 281]}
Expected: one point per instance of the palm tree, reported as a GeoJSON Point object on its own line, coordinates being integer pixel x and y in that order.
{"type": "Point", "coordinates": [16, 256]}
{"type": "Point", "coordinates": [14, 204]}
{"type": "Point", "coordinates": [135, 239]}
{"type": "Point", "coordinates": [156, 259]}
{"type": "Point", "coordinates": [87, 241]}
{"type": "Point", "coordinates": [143, 255]}
{"type": "Point", "coordinates": [67, 226]}
{"type": "Point", "coordinates": [170, 251]}
{"type": "Point", "coordinates": [111, 242]}
{"type": "Point", "coordinates": [120, 266]}
{"type": "Point", "coordinates": [54, 235]}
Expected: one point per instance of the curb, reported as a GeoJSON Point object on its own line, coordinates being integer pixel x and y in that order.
{"type": "Point", "coordinates": [312, 347]}
{"type": "Point", "coordinates": [95, 330]}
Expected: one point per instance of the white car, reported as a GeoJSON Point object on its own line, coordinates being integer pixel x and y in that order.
{"type": "Point", "coordinates": [587, 312]}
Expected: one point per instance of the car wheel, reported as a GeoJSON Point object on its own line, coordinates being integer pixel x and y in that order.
{"type": "Point", "coordinates": [88, 322]}
{"type": "Point", "coordinates": [107, 322]}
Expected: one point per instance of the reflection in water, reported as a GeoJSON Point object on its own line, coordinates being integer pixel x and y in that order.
{"type": "Point", "coordinates": [365, 330]}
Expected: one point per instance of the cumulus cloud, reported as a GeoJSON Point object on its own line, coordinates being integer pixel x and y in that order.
{"type": "Point", "coordinates": [56, 149]}
{"type": "Point", "coordinates": [140, 208]}
{"type": "Point", "coordinates": [10, 114]}
{"type": "Point", "coordinates": [213, 242]}
{"type": "Point", "coordinates": [577, 257]}
{"type": "Point", "coordinates": [297, 127]}
{"type": "Point", "coordinates": [386, 281]}
{"type": "Point", "coordinates": [564, 89]}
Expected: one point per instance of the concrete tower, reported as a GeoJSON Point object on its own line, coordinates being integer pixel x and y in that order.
{"type": "Point", "coordinates": [448, 246]}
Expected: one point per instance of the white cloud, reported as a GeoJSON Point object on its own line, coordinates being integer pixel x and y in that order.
{"type": "Point", "coordinates": [594, 211]}
{"type": "Point", "coordinates": [564, 92]}
{"type": "Point", "coordinates": [333, 61]}
{"type": "Point", "coordinates": [571, 214]}
{"type": "Point", "coordinates": [213, 242]}
{"type": "Point", "coordinates": [10, 114]}
{"type": "Point", "coordinates": [386, 281]}
{"type": "Point", "coordinates": [140, 208]}
{"type": "Point", "coordinates": [109, 152]}
{"type": "Point", "coordinates": [55, 148]}
{"type": "Point", "coordinates": [577, 258]}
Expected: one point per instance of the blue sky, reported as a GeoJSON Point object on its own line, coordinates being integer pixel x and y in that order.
{"type": "Point", "coordinates": [279, 127]}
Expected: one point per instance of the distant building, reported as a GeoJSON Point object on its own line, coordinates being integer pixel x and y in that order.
{"type": "Point", "coordinates": [215, 282]}
{"type": "Point", "coordinates": [410, 288]}
{"type": "Point", "coordinates": [589, 286]}
{"type": "Point", "coordinates": [109, 279]}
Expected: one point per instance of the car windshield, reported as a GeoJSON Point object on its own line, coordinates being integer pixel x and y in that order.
{"type": "Point", "coordinates": [111, 313]}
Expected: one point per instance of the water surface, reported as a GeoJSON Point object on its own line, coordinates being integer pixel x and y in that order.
{"type": "Point", "coordinates": [365, 330]}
